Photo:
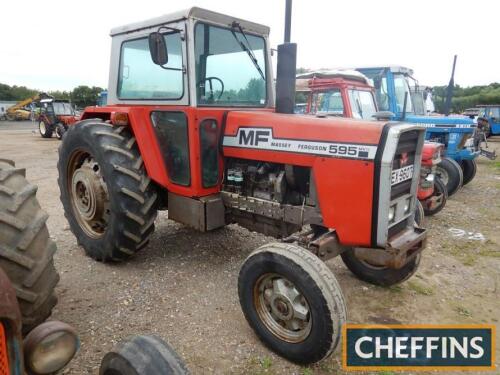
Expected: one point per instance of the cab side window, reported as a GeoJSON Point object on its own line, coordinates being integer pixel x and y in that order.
{"type": "Point", "coordinates": [140, 79]}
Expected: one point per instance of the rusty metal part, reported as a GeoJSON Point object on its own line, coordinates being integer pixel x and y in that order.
{"type": "Point", "coordinates": [327, 246]}
{"type": "Point", "coordinates": [298, 215]}
{"type": "Point", "coordinates": [11, 316]}
{"type": "Point", "coordinates": [401, 249]}
{"type": "Point", "coordinates": [89, 194]}
{"type": "Point", "coordinates": [282, 308]}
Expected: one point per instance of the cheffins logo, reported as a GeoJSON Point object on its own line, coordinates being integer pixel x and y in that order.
{"type": "Point", "coordinates": [418, 347]}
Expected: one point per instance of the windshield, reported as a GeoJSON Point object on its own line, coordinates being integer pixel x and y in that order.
{"type": "Point", "coordinates": [225, 72]}
{"type": "Point", "coordinates": [401, 88]}
{"type": "Point", "coordinates": [327, 102]}
{"type": "Point", "coordinates": [62, 108]}
{"type": "Point", "coordinates": [362, 104]}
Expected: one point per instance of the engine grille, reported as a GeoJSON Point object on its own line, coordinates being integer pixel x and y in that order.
{"type": "Point", "coordinates": [405, 156]}
{"type": "Point", "coordinates": [4, 358]}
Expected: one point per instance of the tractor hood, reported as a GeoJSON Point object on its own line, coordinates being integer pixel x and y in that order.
{"type": "Point", "coordinates": [303, 134]}
{"type": "Point", "coordinates": [442, 121]}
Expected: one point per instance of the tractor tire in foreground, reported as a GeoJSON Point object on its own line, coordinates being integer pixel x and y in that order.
{"type": "Point", "coordinates": [292, 301]}
{"type": "Point", "coordinates": [26, 250]}
{"type": "Point", "coordinates": [108, 198]}
{"type": "Point", "coordinates": [469, 169]}
{"type": "Point", "coordinates": [441, 195]}
{"type": "Point", "coordinates": [142, 355]}
{"type": "Point", "coordinates": [45, 130]}
{"type": "Point", "coordinates": [450, 173]}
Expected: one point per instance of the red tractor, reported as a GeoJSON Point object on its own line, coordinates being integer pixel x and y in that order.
{"type": "Point", "coordinates": [191, 127]}
{"type": "Point", "coordinates": [55, 117]}
{"type": "Point", "coordinates": [348, 93]}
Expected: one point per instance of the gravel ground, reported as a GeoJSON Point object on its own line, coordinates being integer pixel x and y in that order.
{"type": "Point", "coordinates": [182, 287]}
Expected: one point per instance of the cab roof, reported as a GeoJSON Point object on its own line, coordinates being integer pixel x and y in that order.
{"type": "Point", "coordinates": [392, 68]}
{"type": "Point", "coordinates": [196, 13]}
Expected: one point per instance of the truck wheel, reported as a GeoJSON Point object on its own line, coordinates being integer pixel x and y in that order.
{"type": "Point", "coordinates": [292, 301]}
{"type": "Point", "coordinates": [108, 198]}
{"type": "Point", "coordinates": [419, 214]}
{"type": "Point", "coordinates": [142, 355]}
{"type": "Point", "coordinates": [450, 173]}
{"type": "Point", "coordinates": [26, 250]}
{"type": "Point", "coordinates": [60, 130]}
{"type": "Point", "coordinates": [45, 129]}
{"type": "Point", "coordinates": [469, 169]}
{"type": "Point", "coordinates": [379, 275]}
{"type": "Point", "coordinates": [441, 195]}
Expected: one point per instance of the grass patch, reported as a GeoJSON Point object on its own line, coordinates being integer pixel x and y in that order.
{"type": "Point", "coordinates": [463, 311]}
{"type": "Point", "coordinates": [420, 289]}
{"type": "Point", "coordinates": [306, 371]}
{"type": "Point", "coordinates": [467, 252]}
{"type": "Point", "coordinates": [266, 363]}
{"type": "Point", "coordinates": [395, 289]}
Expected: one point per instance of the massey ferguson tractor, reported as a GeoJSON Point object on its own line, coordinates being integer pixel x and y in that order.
{"type": "Point", "coordinates": [191, 127]}
{"type": "Point", "coordinates": [348, 93]}
{"type": "Point", "coordinates": [55, 117]}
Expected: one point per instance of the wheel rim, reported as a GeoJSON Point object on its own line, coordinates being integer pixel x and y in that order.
{"type": "Point", "coordinates": [88, 194]}
{"type": "Point", "coordinates": [282, 308]}
{"type": "Point", "coordinates": [443, 175]}
{"type": "Point", "coordinates": [43, 128]}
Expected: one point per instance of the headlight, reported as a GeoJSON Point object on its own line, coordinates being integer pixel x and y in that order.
{"type": "Point", "coordinates": [408, 201]}
{"type": "Point", "coordinates": [392, 213]}
{"type": "Point", "coordinates": [49, 347]}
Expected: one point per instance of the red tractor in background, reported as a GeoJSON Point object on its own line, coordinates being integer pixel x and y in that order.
{"type": "Point", "coordinates": [191, 127]}
{"type": "Point", "coordinates": [348, 93]}
{"type": "Point", "coordinates": [54, 117]}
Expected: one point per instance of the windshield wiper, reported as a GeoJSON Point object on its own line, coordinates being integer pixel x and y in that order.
{"type": "Point", "coordinates": [248, 49]}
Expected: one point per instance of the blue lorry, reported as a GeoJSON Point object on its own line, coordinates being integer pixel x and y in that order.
{"type": "Point", "coordinates": [393, 88]}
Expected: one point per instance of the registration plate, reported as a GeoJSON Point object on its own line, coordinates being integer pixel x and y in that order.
{"type": "Point", "coordinates": [402, 174]}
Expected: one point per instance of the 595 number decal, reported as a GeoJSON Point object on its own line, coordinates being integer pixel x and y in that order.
{"type": "Point", "coordinates": [343, 150]}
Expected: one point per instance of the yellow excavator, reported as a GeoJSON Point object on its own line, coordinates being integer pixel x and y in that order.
{"type": "Point", "coordinates": [19, 111]}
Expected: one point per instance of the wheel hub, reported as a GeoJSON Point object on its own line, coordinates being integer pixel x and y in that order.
{"type": "Point", "coordinates": [443, 175]}
{"type": "Point", "coordinates": [283, 309]}
{"type": "Point", "coordinates": [90, 198]}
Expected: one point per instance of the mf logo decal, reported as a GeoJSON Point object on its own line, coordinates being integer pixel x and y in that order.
{"type": "Point", "coordinates": [418, 347]}
{"type": "Point", "coordinates": [262, 138]}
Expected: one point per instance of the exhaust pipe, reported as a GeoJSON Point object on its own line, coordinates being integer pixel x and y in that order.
{"type": "Point", "coordinates": [286, 69]}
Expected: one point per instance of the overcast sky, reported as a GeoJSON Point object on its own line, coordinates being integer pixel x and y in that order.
{"type": "Point", "coordinates": [57, 45]}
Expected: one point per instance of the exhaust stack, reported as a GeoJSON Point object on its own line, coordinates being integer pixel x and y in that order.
{"type": "Point", "coordinates": [286, 69]}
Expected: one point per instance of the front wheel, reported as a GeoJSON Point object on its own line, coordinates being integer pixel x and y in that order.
{"type": "Point", "coordinates": [108, 198]}
{"type": "Point", "coordinates": [450, 172]}
{"type": "Point", "coordinates": [469, 169]}
{"type": "Point", "coordinates": [45, 129]}
{"type": "Point", "coordinates": [292, 301]}
{"type": "Point", "coordinates": [439, 197]}
{"type": "Point", "coordinates": [378, 275]}
{"type": "Point", "coordinates": [60, 130]}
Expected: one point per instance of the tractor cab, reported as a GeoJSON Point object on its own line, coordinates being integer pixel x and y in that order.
{"type": "Point", "coordinates": [345, 93]}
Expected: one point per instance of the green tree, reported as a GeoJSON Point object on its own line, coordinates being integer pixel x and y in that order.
{"type": "Point", "coordinates": [84, 96]}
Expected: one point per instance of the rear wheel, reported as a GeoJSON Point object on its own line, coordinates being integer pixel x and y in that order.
{"type": "Point", "coordinates": [440, 195]}
{"type": "Point", "coordinates": [469, 169]}
{"type": "Point", "coordinates": [450, 173]}
{"type": "Point", "coordinates": [45, 129]}
{"type": "Point", "coordinates": [26, 250]}
{"type": "Point", "coordinates": [292, 301]}
{"type": "Point", "coordinates": [142, 355]}
{"type": "Point", "coordinates": [108, 198]}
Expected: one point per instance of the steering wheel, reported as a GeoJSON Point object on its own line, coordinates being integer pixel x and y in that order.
{"type": "Point", "coordinates": [210, 79]}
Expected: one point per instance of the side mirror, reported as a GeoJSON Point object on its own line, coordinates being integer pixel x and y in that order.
{"type": "Point", "coordinates": [158, 48]}
{"type": "Point", "coordinates": [383, 115]}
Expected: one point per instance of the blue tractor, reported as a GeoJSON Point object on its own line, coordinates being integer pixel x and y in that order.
{"type": "Point", "coordinates": [398, 92]}
{"type": "Point", "coordinates": [489, 115]}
